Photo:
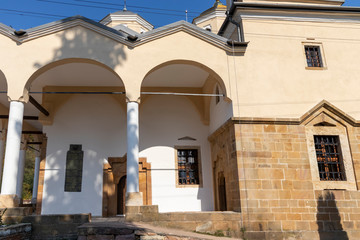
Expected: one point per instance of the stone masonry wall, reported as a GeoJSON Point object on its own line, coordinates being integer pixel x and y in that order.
{"type": "Point", "coordinates": [277, 192]}
{"type": "Point", "coordinates": [224, 160]}
{"type": "Point", "coordinates": [277, 195]}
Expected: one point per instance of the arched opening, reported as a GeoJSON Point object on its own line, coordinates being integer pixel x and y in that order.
{"type": "Point", "coordinates": [121, 192]}
{"type": "Point", "coordinates": [175, 122]}
{"type": "Point", "coordinates": [83, 110]}
{"type": "Point", "coordinates": [4, 103]}
{"type": "Point", "coordinates": [222, 192]}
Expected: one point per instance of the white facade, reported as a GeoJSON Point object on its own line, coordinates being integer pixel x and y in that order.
{"type": "Point", "coordinates": [101, 131]}
{"type": "Point", "coordinates": [98, 123]}
{"type": "Point", "coordinates": [163, 120]}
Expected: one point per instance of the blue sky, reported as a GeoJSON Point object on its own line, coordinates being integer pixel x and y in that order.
{"type": "Point", "coordinates": [23, 14]}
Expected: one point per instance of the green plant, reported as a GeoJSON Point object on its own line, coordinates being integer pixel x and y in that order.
{"type": "Point", "coordinates": [243, 231]}
{"type": "Point", "coordinates": [1, 216]}
{"type": "Point", "coordinates": [219, 233]}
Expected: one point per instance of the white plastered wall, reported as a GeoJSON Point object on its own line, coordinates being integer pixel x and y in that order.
{"type": "Point", "coordinates": [163, 120]}
{"type": "Point", "coordinates": [96, 122]}
{"type": "Point", "coordinates": [219, 112]}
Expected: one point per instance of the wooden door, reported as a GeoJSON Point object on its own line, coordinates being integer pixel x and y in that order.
{"type": "Point", "coordinates": [121, 192]}
{"type": "Point", "coordinates": [222, 192]}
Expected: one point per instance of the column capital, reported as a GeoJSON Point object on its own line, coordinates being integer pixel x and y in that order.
{"type": "Point", "coordinates": [133, 101]}
{"type": "Point", "coordinates": [24, 98]}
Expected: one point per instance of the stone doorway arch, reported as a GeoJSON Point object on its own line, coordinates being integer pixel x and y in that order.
{"type": "Point", "coordinates": [114, 177]}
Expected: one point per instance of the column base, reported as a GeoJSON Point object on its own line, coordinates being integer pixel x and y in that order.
{"type": "Point", "coordinates": [9, 201]}
{"type": "Point", "coordinates": [134, 199]}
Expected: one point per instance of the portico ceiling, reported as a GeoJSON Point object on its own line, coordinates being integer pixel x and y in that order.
{"type": "Point", "coordinates": [177, 75]}
{"type": "Point", "coordinates": [90, 75]}
{"type": "Point", "coordinates": [76, 74]}
{"type": "Point", "coordinates": [72, 74]}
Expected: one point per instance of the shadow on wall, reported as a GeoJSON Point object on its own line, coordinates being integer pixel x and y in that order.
{"type": "Point", "coordinates": [328, 218]}
{"type": "Point", "coordinates": [81, 43]}
{"type": "Point", "coordinates": [76, 43]}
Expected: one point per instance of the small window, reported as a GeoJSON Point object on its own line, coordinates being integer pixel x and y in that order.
{"type": "Point", "coordinates": [188, 167]}
{"type": "Point", "coordinates": [329, 158]}
{"type": "Point", "coordinates": [74, 165]}
{"type": "Point", "coordinates": [313, 56]}
{"type": "Point", "coordinates": [217, 92]}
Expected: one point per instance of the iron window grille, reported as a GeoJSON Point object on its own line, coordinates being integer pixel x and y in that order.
{"type": "Point", "coordinates": [188, 168]}
{"type": "Point", "coordinates": [329, 158]}
{"type": "Point", "coordinates": [313, 56]}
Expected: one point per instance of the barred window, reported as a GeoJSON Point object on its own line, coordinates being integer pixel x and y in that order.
{"type": "Point", "coordinates": [329, 158]}
{"type": "Point", "coordinates": [313, 56]}
{"type": "Point", "coordinates": [188, 166]}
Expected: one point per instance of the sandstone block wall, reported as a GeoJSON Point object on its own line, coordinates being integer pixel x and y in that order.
{"type": "Point", "coordinates": [276, 186]}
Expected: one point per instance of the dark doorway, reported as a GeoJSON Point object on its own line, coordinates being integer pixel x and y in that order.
{"type": "Point", "coordinates": [222, 192]}
{"type": "Point", "coordinates": [121, 191]}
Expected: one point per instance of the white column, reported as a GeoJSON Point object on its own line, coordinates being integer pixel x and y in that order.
{"type": "Point", "coordinates": [36, 178]}
{"type": "Point", "coordinates": [2, 149]}
{"type": "Point", "coordinates": [12, 152]}
{"type": "Point", "coordinates": [132, 167]}
{"type": "Point", "coordinates": [20, 179]}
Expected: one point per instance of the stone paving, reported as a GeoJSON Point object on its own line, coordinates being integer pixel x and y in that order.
{"type": "Point", "coordinates": [117, 228]}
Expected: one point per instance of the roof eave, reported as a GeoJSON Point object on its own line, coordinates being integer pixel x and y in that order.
{"type": "Point", "coordinates": [289, 7]}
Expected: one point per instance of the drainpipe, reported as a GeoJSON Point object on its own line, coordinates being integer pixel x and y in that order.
{"type": "Point", "coordinates": [238, 25]}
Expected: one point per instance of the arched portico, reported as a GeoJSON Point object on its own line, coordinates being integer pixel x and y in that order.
{"type": "Point", "coordinates": [69, 90]}
{"type": "Point", "coordinates": [175, 118]}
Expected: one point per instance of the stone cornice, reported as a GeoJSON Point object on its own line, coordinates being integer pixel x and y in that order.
{"type": "Point", "coordinates": [288, 121]}
{"type": "Point", "coordinates": [307, 9]}
{"type": "Point", "coordinates": [122, 37]}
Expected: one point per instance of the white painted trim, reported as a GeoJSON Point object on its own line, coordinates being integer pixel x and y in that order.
{"type": "Point", "coordinates": [135, 18]}
{"type": "Point", "coordinates": [148, 38]}
{"type": "Point", "coordinates": [305, 17]}
{"type": "Point", "coordinates": [217, 13]}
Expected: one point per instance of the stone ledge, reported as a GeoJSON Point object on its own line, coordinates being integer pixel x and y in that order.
{"type": "Point", "coordinates": [204, 222]}
{"type": "Point", "coordinates": [9, 201]}
{"type": "Point", "coordinates": [18, 231]}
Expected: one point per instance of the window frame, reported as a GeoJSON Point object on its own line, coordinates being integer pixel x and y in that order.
{"type": "Point", "coordinates": [322, 55]}
{"type": "Point", "coordinates": [340, 131]}
{"type": "Point", "coordinates": [200, 184]}
{"type": "Point", "coordinates": [332, 151]}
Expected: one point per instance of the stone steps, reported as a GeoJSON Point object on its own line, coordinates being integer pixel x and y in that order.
{"type": "Point", "coordinates": [116, 230]}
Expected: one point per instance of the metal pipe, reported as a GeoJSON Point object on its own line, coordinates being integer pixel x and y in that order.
{"type": "Point", "coordinates": [32, 132]}
{"type": "Point", "coordinates": [184, 94]}
{"type": "Point", "coordinates": [33, 148]}
{"type": "Point", "coordinates": [240, 34]}
{"type": "Point", "coordinates": [34, 143]}
{"type": "Point", "coordinates": [38, 106]}
{"type": "Point", "coordinates": [145, 93]}
{"type": "Point", "coordinates": [25, 117]}
{"type": "Point", "coordinates": [77, 92]}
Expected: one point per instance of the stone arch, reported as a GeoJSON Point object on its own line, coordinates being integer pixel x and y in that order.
{"type": "Point", "coordinates": [54, 64]}
{"type": "Point", "coordinates": [3, 98]}
{"type": "Point", "coordinates": [202, 105]}
{"type": "Point", "coordinates": [3, 80]}
{"type": "Point", "coordinates": [211, 72]}
{"type": "Point", "coordinates": [52, 102]}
